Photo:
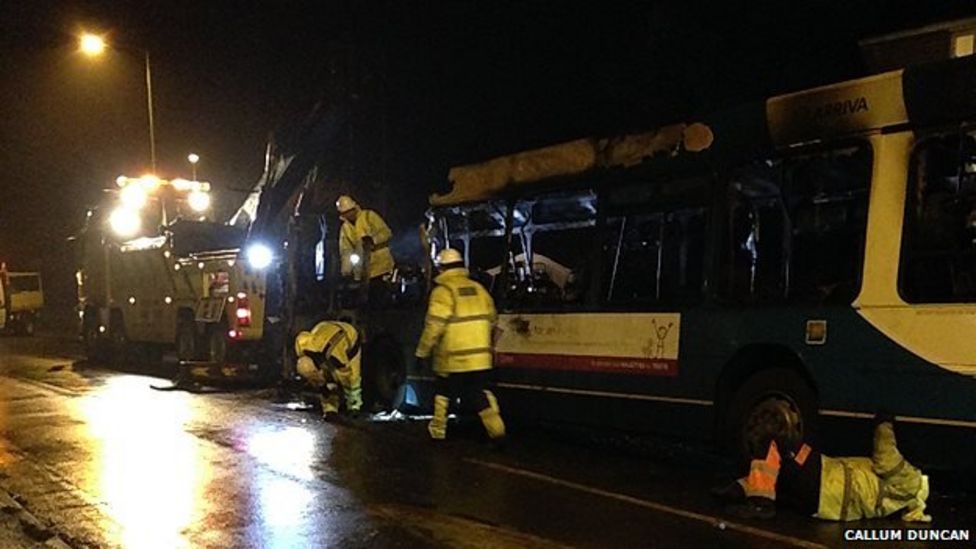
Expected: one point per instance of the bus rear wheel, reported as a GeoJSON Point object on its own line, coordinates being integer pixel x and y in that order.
{"type": "Point", "coordinates": [771, 404]}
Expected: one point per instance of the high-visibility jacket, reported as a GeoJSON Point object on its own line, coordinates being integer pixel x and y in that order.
{"type": "Point", "coordinates": [457, 330]}
{"type": "Point", "coordinates": [351, 234]}
{"type": "Point", "coordinates": [763, 473]}
{"type": "Point", "coordinates": [855, 488]}
{"type": "Point", "coordinates": [338, 343]}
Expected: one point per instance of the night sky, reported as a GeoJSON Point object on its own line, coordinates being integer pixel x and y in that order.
{"type": "Point", "coordinates": [450, 82]}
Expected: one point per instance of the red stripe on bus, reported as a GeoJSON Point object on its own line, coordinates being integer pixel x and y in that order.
{"type": "Point", "coordinates": [582, 363]}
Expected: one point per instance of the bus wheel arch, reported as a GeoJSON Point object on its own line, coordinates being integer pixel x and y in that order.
{"type": "Point", "coordinates": [765, 391]}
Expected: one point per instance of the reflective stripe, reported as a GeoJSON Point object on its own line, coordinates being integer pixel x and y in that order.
{"type": "Point", "coordinates": [802, 455]}
{"type": "Point", "coordinates": [894, 470]}
{"type": "Point", "coordinates": [473, 318]}
{"type": "Point", "coordinates": [484, 350]}
{"type": "Point", "coordinates": [763, 474]}
{"type": "Point", "coordinates": [847, 493]}
{"type": "Point", "coordinates": [333, 341]}
{"type": "Point", "coordinates": [766, 468]}
{"type": "Point", "coordinates": [353, 349]}
{"type": "Point", "coordinates": [432, 318]}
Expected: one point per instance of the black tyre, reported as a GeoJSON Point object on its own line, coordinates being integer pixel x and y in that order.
{"type": "Point", "coordinates": [91, 338]}
{"type": "Point", "coordinates": [186, 340]}
{"type": "Point", "coordinates": [385, 371]}
{"type": "Point", "coordinates": [771, 404]}
{"type": "Point", "coordinates": [26, 325]}
{"type": "Point", "coordinates": [217, 345]}
{"type": "Point", "coordinates": [121, 353]}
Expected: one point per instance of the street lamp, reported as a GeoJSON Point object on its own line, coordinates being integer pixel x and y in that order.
{"type": "Point", "coordinates": [194, 158]}
{"type": "Point", "coordinates": [93, 45]}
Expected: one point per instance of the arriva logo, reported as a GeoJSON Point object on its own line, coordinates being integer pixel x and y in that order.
{"type": "Point", "coordinates": [841, 108]}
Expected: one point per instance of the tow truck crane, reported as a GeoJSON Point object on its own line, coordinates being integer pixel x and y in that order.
{"type": "Point", "coordinates": [181, 288]}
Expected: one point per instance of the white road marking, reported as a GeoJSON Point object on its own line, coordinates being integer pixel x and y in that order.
{"type": "Point", "coordinates": [660, 507]}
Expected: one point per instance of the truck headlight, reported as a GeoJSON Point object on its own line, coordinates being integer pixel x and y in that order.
{"type": "Point", "coordinates": [259, 256]}
{"type": "Point", "coordinates": [199, 201]}
{"type": "Point", "coordinates": [125, 221]}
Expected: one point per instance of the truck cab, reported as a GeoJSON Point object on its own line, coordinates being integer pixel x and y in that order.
{"type": "Point", "coordinates": [21, 301]}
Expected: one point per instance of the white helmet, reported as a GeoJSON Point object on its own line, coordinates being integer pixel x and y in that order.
{"type": "Point", "coordinates": [346, 203]}
{"type": "Point", "coordinates": [448, 256]}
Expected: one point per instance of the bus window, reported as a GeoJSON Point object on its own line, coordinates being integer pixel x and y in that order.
{"type": "Point", "coordinates": [654, 243]}
{"type": "Point", "coordinates": [552, 245]}
{"type": "Point", "coordinates": [796, 228]}
{"type": "Point", "coordinates": [939, 236]}
{"type": "Point", "coordinates": [478, 232]}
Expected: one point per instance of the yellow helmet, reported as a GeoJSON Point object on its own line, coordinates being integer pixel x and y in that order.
{"type": "Point", "coordinates": [345, 203]}
{"type": "Point", "coordinates": [448, 256]}
{"type": "Point", "coordinates": [303, 341]}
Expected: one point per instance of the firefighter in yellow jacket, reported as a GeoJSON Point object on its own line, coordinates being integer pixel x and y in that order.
{"type": "Point", "coordinates": [458, 333]}
{"type": "Point", "coordinates": [330, 356]}
{"type": "Point", "coordinates": [364, 240]}
{"type": "Point", "coordinates": [843, 489]}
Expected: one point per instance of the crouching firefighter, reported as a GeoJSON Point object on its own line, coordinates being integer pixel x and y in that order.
{"type": "Point", "coordinates": [458, 332]}
{"type": "Point", "coordinates": [329, 356]}
{"type": "Point", "coordinates": [843, 489]}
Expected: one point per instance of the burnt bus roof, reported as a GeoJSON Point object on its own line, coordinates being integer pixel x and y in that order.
{"type": "Point", "coordinates": [915, 97]}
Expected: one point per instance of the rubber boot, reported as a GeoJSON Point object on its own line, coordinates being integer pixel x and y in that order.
{"type": "Point", "coordinates": [438, 424]}
{"type": "Point", "coordinates": [354, 399]}
{"type": "Point", "coordinates": [886, 458]}
{"type": "Point", "coordinates": [330, 403]}
{"type": "Point", "coordinates": [491, 418]}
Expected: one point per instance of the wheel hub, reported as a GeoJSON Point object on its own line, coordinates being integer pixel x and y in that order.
{"type": "Point", "coordinates": [772, 417]}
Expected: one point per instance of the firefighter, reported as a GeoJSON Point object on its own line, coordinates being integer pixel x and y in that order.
{"type": "Point", "coordinates": [329, 356]}
{"type": "Point", "coordinates": [458, 333]}
{"type": "Point", "coordinates": [363, 239]}
{"type": "Point", "coordinates": [842, 489]}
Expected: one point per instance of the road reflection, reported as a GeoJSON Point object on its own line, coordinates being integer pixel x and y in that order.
{"type": "Point", "coordinates": [164, 487]}
{"type": "Point", "coordinates": [283, 485]}
{"type": "Point", "coordinates": [145, 468]}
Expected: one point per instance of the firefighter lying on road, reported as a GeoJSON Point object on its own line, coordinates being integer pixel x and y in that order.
{"type": "Point", "coordinates": [329, 356]}
{"type": "Point", "coordinates": [846, 488]}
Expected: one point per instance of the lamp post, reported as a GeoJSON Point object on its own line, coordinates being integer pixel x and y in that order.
{"type": "Point", "coordinates": [194, 158]}
{"type": "Point", "coordinates": [93, 45]}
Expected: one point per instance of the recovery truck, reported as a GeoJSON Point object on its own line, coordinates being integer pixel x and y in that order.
{"type": "Point", "coordinates": [183, 290]}
{"type": "Point", "coordinates": [21, 301]}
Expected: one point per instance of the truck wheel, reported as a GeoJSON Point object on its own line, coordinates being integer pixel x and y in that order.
{"type": "Point", "coordinates": [385, 371]}
{"type": "Point", "coordinates": [119, 345]}
{"type": "Point", "coordinates": [26, 325]}
{"type": "Point", "coordinates": [217, 345]}
{"type": "Point", "coordinates": [773, 403]}
{"type": "Point", "coordinates": [91, 339]}
{"type": "Point", "coordinates": [186, 341]}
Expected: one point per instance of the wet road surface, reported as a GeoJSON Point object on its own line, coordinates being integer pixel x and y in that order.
{"type": "Point", "coordinates": [103, 460]}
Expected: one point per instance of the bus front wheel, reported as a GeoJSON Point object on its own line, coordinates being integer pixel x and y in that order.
{"type": "Point", "coordinates": [771, 404]}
